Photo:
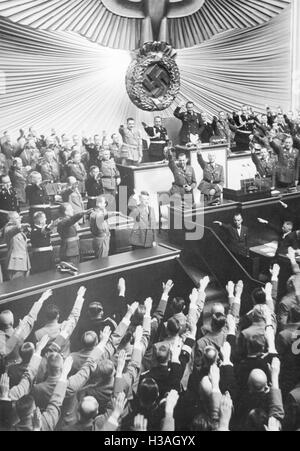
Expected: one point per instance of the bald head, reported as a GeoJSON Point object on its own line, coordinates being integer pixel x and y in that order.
{"type": "Point", "coordinates": [211, 355]}
{"type": "Point", "coordinates": [88, 408]}
{"type": "Point", "coordinates": [6, 319]}
{"type": "Point", "coordinates": [72, 181]}
{"type": "Point", "coordinates": [258, 381]}
{"type": "Point", "coordinates": [14, 217]}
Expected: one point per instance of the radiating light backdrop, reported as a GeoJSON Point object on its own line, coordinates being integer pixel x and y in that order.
{"type": "Point", "coordinates": [62, 80]}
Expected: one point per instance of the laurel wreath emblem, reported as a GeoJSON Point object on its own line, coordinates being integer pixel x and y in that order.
{"type": "Point", "coordinates": [150, 54]}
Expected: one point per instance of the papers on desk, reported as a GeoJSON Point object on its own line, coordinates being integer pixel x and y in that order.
{"type": "Point", "coordinates": [270, 249]}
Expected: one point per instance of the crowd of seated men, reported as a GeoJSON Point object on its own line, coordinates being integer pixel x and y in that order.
{"type": "Point", "coordinates": [156, 365]}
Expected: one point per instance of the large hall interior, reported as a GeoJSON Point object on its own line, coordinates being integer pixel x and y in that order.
{"type": "Point", "coordinates": [149, 216]}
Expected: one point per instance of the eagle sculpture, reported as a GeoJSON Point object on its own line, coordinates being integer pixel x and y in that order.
{"type": "Point", "coordinates": [128, 24]}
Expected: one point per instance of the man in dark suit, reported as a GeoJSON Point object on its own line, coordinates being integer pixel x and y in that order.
{"type": "Point", "coordinates": [191, 122]}
{"type": "Point", "coordinates": [238, 236]}
{"type": "Point", "coordinates": [287, 237]}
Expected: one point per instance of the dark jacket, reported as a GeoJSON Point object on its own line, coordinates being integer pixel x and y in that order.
{"type": "Point", "coordinates": [191, 124]}
{"type": "Point", "coordinates": [284, 242]}
{"type": "Point", "coordinates": [68, 232]}
{"type": "Point", "coordinates": [206, 132]}
{"type": "Point", "coordinates": [36, 195]}
{"type": "Point", "coordinates": [288, 164]}
{"type": "Point", "coordinates": [238, 244]}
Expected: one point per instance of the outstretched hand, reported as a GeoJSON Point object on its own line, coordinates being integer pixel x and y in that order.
{"type": "Point", "coordinates": [140, 424]}
{"type": "Point", "coordinates": [42, 344]}
{"type": "Point", "coordinates": [262, 221]}
{"type": "Point", "coordinates": [46, 296]}
{"type": "Point", "coordinates": [167, 287]}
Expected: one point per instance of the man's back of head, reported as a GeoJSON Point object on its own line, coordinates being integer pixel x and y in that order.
{"type": "Point", "coordinates": [258, 381]}
{"type": "Point", "coordinates": [163, 354]}
{"type": "Point", "coordinates": [173, 327]}
{"type": "Point", "coordinates": [52, 313]}
{"type": "Point", "coordinates": [25, 407]}
{"type": "Point", "coordinates": [88, 409]}
{"type": "Point", "coordinates": [89, 340]}
{"type": "Point", "coordinates": [54, 364]}
{"type": "Point", "coordinates": [6, 320]}
{"type": "Point", "coordinates": [26, 352]}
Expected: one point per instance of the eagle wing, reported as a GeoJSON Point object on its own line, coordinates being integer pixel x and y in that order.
{"type": "Point", "coordinates": [215, 16]}
{"type": "Point", "coordinates": [90, 18]}
{"type": "Point", "coordinates": [119, 23]}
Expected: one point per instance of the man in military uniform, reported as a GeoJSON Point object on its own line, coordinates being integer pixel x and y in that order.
{"type": "Point", "coordinates": [266, 165]}
{"type": "Point", "coordinates": [93, 186]}
{"type": "Point", "coordinates": [63, 158]}
{"type": "Point", "coordinates": [30, 155]}
{"type": "Point", "coordinates": [9, 149]}
{"type": "Point", "coordinates": [223, 129]}
{"type": "Point", "coordinates": [67, 229]}
{"type": "Point", "coordinates": [287, 173]}
{"type": "Point", "coordinates": [71, 195]}
{"type": "Point", "coordinates": [110, 178]}
{"type": "Point", "coordinates": [132, 149]}
{"type": "Point", "coordinates": [143, 235]}
{"type": "Point", "coordinates": [185, 179]}
{"type": "Point", "coordinates": [18, 175]}
{"type": "Point", "coordinates": [94, 150]}
{"type": "Point", "coordinates": [158, 140]}
{"type": "Point", "coordinates": [115, 147]}
{"type": "Point", "coordinates": [15, 235]}
{"type": "Point", "coordinates": [191, 122]}
{"type": "Point", "coordinates": [50, 167]}
{"type": "Point", "coordinates": [8, 199]}
{"type": "Point", "coordinates": [213, 178]}
{"type": "Point", "coordinates": [76, 169]}
{"type": "Point", "coordinates": [37, 197]}
{"type": "Point", "coordinates": [100, 229]}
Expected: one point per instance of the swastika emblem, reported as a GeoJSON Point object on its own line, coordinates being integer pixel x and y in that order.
{"type": "Point", "coordinates": [153, 77]}
{"type": "Point", "coordinates": [156, 81]}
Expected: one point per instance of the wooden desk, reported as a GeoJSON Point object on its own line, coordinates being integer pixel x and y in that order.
{"type": "Point", "coordinates": [263, 253]}
{"type": "Point", "coordinates": [267, 250]}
